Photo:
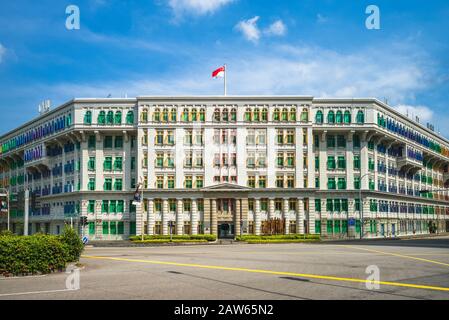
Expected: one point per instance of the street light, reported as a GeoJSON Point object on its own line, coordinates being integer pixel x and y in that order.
{"type": "Point", "coordinates": [361, 205]}
{"type": "Point", "coordinates": [6, 192]}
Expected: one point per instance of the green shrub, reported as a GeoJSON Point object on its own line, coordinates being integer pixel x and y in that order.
{"type": "Point", "coordinates": [6, 233]}
{"type": "Point", "coordinates": [71, 239]}
{"type": "Point", "coordinates": [39, 253]}
{"type": "Point", "coordinates": [273, 238]}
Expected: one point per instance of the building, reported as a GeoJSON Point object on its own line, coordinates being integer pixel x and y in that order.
{"type": "Point", "coordinates": [227, 166]}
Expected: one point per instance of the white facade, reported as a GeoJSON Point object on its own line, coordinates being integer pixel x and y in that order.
{"type": "Point", "coordinates": [227, 166]}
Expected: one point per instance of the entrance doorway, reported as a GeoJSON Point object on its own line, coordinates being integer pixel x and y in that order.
{"type": "Point", "coordinates": [226, 230]}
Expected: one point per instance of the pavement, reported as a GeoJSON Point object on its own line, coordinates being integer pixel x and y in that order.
{"type": "Point", "coordinates": [407, 269]}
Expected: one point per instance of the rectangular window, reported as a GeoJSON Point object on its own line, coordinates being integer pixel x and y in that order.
{"type": "Point", "coordinates": [120, 206]}
{"type": "Point", "coordinates": [341, 141]}
{"type": "Point", "coordinates": [356, 141]}
{"type": "Point", "coordinates": [262, 181]}
{"type": "Point", "coordinates": [251, 181]}
{"type": "Point", "coordinates": [171, 182]}
{"type": "Point", "coordinates": [188, 182]}
{"type": "Point", "coordinates": [199, 182]}
{"type": "Point", "coordinates": [91, 184]}
{"type": "Point", "coordinates": [357, 162]}
{"type": "Point", "coordinates": [92, 142]}
{"type": "Point", "coordinates": [91, 206]}
{"type": "Point", "coordinates": [330, 163]}
{"type": "Point", "coordinates": [118, 142]}
{"type": "Point", "coordinates": [341, 162]}
{"type": "Point", "coordinates": [107, 144]}
{"type": "Point", "coordinates": [118, 164]}
{"type": "Point", "coordinates": [118, 186]}
{"type": "Point", "coordinates": [341, 183]}
{"type": "Point", "coordinates": [279, 181]}
{"type": "Point", "coordinates": [105, 227]}
{"type": "Point", "coordinates": [330, 141]}
{"type": "Point", "coordinates": [107, 165]}
{"type": "Point", "coordinates": [91, 228]}
{"type": "Point", "coordinates": [105, 206]}
{"type": "Point", "coordinates": [107, 184]}
{"type": "Point", "coordinates": [91, 164]}
{"type": "Point", "coordinates": [331, 184]}
{"type": "Point", "coordinates": [113, 206]}
{"type": "Point", "coordinates": [357, 183]}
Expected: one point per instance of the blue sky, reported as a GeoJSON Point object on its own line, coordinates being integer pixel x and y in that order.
{"type": "Point", "coordinates": [169, 47]}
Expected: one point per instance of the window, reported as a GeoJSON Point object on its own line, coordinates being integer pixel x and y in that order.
{"type": "Point", "coordinates": [199, 182]}
{"type": "Point", "coordinates": [118, 164]}
{"type": "Point", "coordinates": [188, 182]}
{"type": "Point", "coordinates": [110, 117]}
{"type": "Point", "coordinates": [107, 164]}
{"type": "Point", "coordinates": [113, 206]}
{"type": "Point", "coordinates": [159, 137]}
{"type": "Point", "coordinates": [356, 141]}
{"type": "Point", "coordinates": [341, 163]}
{"type": "Point", "coordinates": [360, 117]}
{"type": "Point", "coordinates": [276, 115]}
{"type": "Point", "coordinates": [118, 142]}
{"type": "Point", "coordinates": [185, 115]}
{"type": "Point", "coordinates": [118, 117]}
{"type": "Point", "coordinates": [173, 115]}
{"type": "Point", "coordinates": [107, 186]}
{"type": "Point", "coordinates": [92, 142]}
{"type": "Point", "coordinates": [118, 185]}
{"type": "Point", "coordinates": [91, 206]}
{"type": "Point", "coordinates": [330, 141]}
{"type": "Point", "coordinates": [290, 136]}
{"type": "Point", "coordinates": [357, 162]}
{"type": "Point", "coordinates": [257, 115]}
{"type": "Point", "coordinates": [202, 115]}
{"type": "Point", "coordinates": [371, 164]}
{"type": "Point", "coordinates": [170, 137]}
{"type": "Point", "coordinates": [248, 115]}
{"type": "Point", "coordinates": [233, 115]}
{"type": "Point", "coordinates": [130, 117]}
{"type": "Point", "coordinates": [107, 142]}
{"type": "Point", "coordinates": [251, 181]}
{"type": "Point", "coordinates": [101, 118]}
{"type": "Point", "coordinates": [347, 117]}
{"type": "Point", "coordinates": [120, 206]}
{"type": "Point", "coordinates": [251, 160]}
{"type": "Point", "coordinates": [331, 117]}
{"type": "Point", "coordinates": [165, 115]}
{"type": "Point", "coordinates": [91, 184]}
{"type": "Point", "coordinates": [331, 184]}
{"type": "Point", "coordinates": [157, 115]}
{"type": "Point", "coordinates": [341, 183]}
{"type": "Point", "coordinates": [293, 115]}
{"type": "Point", "coordinates": [290, 159]}
{"type": "Point", "coordinates": [264, 114]}
{"type": "Point", "coordinates": [290, 181]}
{"type": "Point", "coordinates": [319, 117]}
{"type": "Point", "coordinates": [171, 182]}
{"type": "Point", "coordinates": [330, 163]}
{"type": "Point", "coordinates": [341, 141]}
{"type": "Point", "coordinates": [329, 205]}
{"type": "Point", "coordinates": [357, 183]}
{"type": "Point", "coordinates": [88, 117]}
{"type": "Point", "coordinates": [279, 181]}
{"type": "Point", "coordinates": [280, 159]}
{"type": "Point", "coordinates": [159, 182]}
{"type": "Point", "coordinates": [91, 164]}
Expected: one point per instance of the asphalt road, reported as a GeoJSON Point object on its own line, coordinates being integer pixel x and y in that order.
{"type": "Point", "coordinates": [408, 269]}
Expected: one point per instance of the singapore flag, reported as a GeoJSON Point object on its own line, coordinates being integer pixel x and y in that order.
{"type": "Point", "coordinates": [219, 73]}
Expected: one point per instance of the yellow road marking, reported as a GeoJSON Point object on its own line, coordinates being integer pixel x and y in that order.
{"type": "Point", "coordinates": [398, 255]}
{"type": "Point", "coordinates": [293, 274]}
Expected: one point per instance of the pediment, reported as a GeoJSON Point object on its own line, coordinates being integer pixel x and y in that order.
{"type": "Point", "coordinates": [226, 186]}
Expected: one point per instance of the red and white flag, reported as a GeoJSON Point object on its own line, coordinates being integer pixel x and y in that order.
{"type": "Point", "coordinates": [219, 73]}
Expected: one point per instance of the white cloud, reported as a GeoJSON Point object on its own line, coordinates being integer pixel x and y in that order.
{"type": "Point", "coordinates": [277, 28]}
{"type": "Point", "coordinates": [249, 29]}
{"type": "Point", "coordinates": [197, 7]}
{"type": "Point", "coordinates": [2, 52]}
{"type": "Point", "coordinates": [422, 112]}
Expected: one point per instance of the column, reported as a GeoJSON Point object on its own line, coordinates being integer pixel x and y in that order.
{"type": "Point", "coordinates": [213, 217]}
{"type": "Point", "coordinates": [126, 162]}
{"type": "Point", "coordinates": [194, 217]}
{"type": "Point", "coordinates": [285, 208]}
{"type": "Point", "coordinates": [300, 216]}
{"type": "Point", "coordinates": [323, 162]}
{"type": "Point", "coordinates": [350, 162]}
{"type": "Point", "coordinates": [257, 217]}
{"type": "Point", "coordinates": [207, 215]}
{"type": "Point", "coordinates": [311, 155]}
{"type": "Point", "coordinates": [151, 217]}
{"type": "Point", "coordinates": [270, 208]}
{"type": "Point", "coordinates": [139, 218]}
{"type": "Point", "coordinates": [364, 161]}
{"type": "Point", "coordinates": [271, 157]}
{"type": "Point", "coordinates": [299, 174]}
{"type": "Point", "coordinates": [312, 216]}
{"type": "Point", "coordinates": [179, 217]}
{"type": "Point", "coordinates": [165, 217]}
{"type": "Point", "coordinates": [237, 216]}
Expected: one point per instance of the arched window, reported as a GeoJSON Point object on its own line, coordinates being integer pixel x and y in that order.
{"type": "Point", "coordinates": [165, 115]}
{"type": "Point", "coordinates": [305, 115]}
{"type": "Point", "coordinates": [292, 114]}
{"type": "Point", "coordinates": [194, 115]}
{"type": "Point", "coordinates": [110, 117]}
{"type": "Point", "coordinates": [157, 115]}
{"type": "Point", "coordinates": [347, 117]}
{"type": "Point", "coordinates": [360, 117]}
{"type": "Point", "coordinates": [88, 117]}
{"type": "Point", "coordinates": [284, 114]}
{"type": "Point", "coordinates": [185, 115]}
{"type": "Point", "coordinates": [130, 117]}
{"type": "Point", "coordinates": [319, 117]}
{"type": "Point", "coordinates": [225, 115]}
{"type": "Point", "coordinates": [202, 115]}
{"type": "Point", "coordinates": [101, 117]}
{"type": "Point", "coordinates": [144, 116]}
{"type": "Point", "coordinates": [256, 115]}
{"type": "Point", "coordinates": [264, 114]}
{"type": "Point", "coordinates": [68, 120]}
{"type": "Point", "coordinates": [339, 117]}
{"type": "Point", "coordinates": [233, 115]}
{"type": "Point", "coordinates": [118, 117]}
{"type": "Point", "coordinates": [173, 115]}
{"type": "Point", "coordinates": [217, 115]}
{"type": "Point", "coordinates": [276, 115]}
{"type": "Point", "coordinates": [331, 117]}
{"type": "Point", "coordinates": [248, 114]}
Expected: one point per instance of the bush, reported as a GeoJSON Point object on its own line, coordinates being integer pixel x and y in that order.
{"type": "Point", "coordinates": [177, 238]}
{"type": "Point", "coordinates": [6, 233]}
{"type": "Point", "coordinates": [71, 239]}
{"type": "Point", "coordinates": [39, 253]}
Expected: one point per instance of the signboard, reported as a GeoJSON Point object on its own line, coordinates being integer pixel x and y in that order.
{"type": "Point", "coordinates": [351, 222]}
{"type": "Point", "coordinates": [85, 240]}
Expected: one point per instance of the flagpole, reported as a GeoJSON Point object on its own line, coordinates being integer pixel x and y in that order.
{"type": "Point", "coordinates": [225, 72]}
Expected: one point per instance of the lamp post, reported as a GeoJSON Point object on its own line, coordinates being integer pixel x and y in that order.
{"type": "Point", "coordinates": [6, 191]}
{"type": "Point", "coordinates": [361, 205]}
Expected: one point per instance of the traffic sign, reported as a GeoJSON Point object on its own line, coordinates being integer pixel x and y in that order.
{"type": "Point", "coordinates": [85, 240]}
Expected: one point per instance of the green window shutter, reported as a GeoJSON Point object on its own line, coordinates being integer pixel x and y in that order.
{"type": "Point", "coordinates": [105, 206]}
{"type": "Point", "coordinates": [120, 227]}
{"type": "Point", "coordinates": [329, 205]}
{"type": "Point", "coordinates": [113, 206]}
{"type": "Point", "coordinates": [107, 164]}
{"type": "Point", "coordinates": [329, 226]}
{"type": "Point", "coordinates": [357, 226]}
{"type": "Point", "coordinates": [120, 207]}
{"type": "Point", "coordinates": [318, 226]}
{"type": "Point", "coordinates": [344, 204]}
{"type": "Point", "coordinates": [318, 205]}
{"type": "Point", "coordinates": [92, 142]}
{"type": "Point", "coordinates": [118, 185]}
{"type": "Point", "coordinates": [113, 227]}
{"type": "Point", "coordinates": [344, 226]}
{"type": "Point", "coordinates": [132, 228]}
{"type": "Point", "coordinates": [91, 228]}
{"type": "Point", "coordinates": [118, 164]}
{"type": "Point", "coordinates": [91, 206]}
{"type": "Point", "coordinates": [118, 117]}
{"type": "Point", "coordinates": [130, 117]}
{"type": "Point", "coordinates": [105, 227]}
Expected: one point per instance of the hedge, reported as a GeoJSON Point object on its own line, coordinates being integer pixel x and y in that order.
{"type": "Point", "coordinates": [168, 241]}
{"type": "Point", "coordinates": [279, 237]}
{"type": "Point", "coordinates": [177, 238]}
{"type": "Point", "coordinates": [39, 253]}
